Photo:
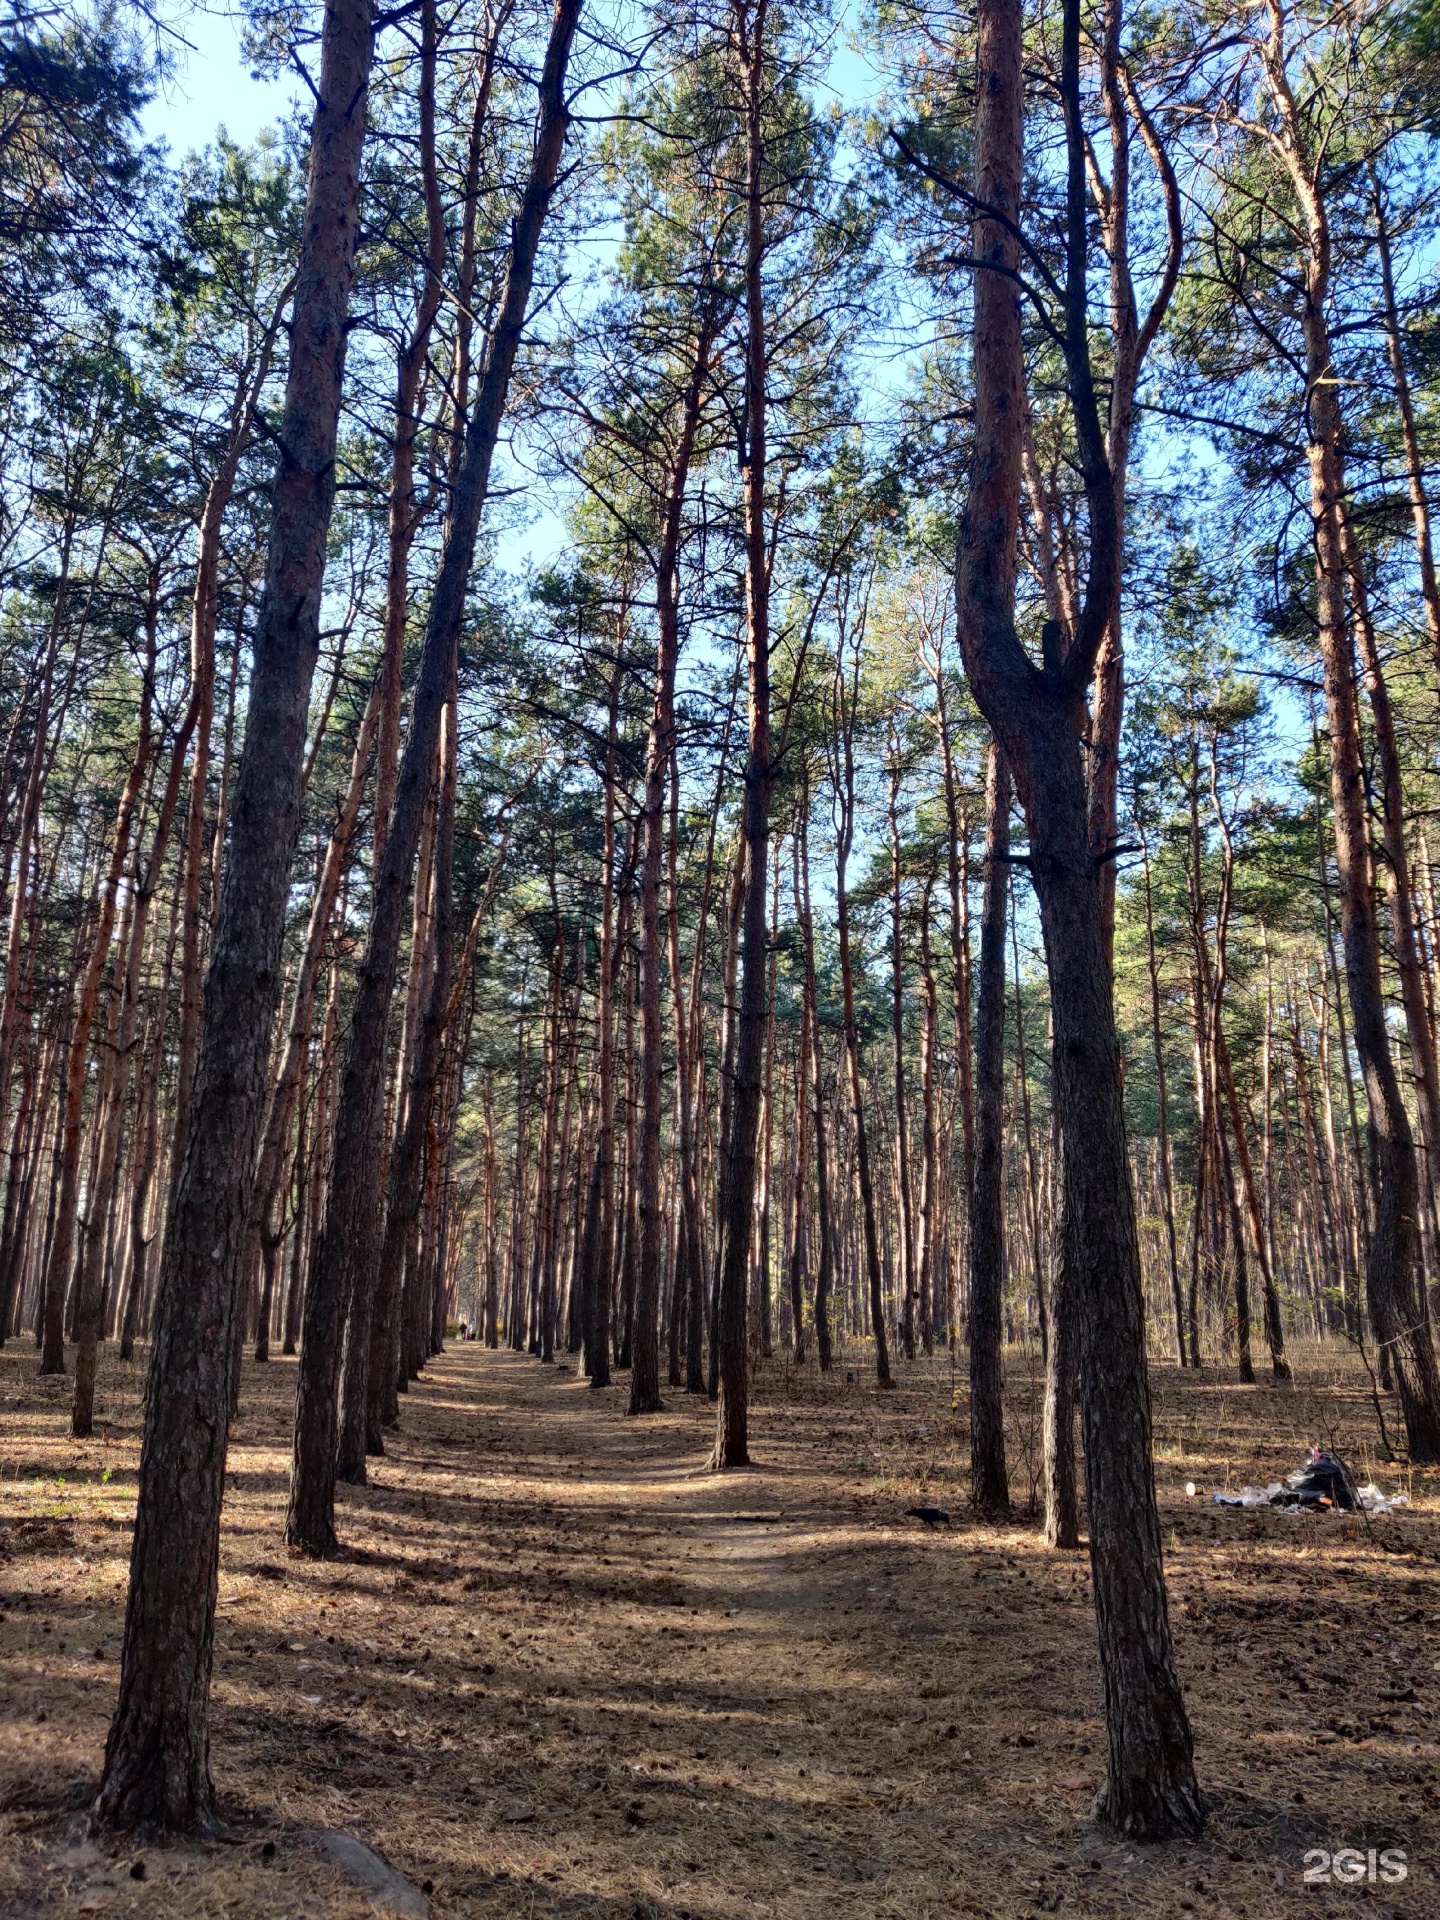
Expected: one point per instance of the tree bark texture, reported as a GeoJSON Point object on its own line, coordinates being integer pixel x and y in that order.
{"type": "Point", "coordinates": [157, 1757]}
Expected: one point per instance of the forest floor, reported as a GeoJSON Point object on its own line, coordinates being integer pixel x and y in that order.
{"type": "Point", "coordinates": [563, 1670]}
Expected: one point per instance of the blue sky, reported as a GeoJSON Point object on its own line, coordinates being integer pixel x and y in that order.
{"type": "Point", "coordinates": [211, 86]}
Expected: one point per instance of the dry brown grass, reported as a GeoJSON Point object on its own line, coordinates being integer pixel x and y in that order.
{"type": "Point", "coordinates": [565, 1671]}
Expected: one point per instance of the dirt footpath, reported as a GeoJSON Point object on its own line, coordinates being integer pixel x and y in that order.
{"type": "Point", "coordinates": [563, 1670]}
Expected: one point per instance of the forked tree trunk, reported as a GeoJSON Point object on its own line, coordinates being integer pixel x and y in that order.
{"type": "Point", "coordinates": [1149, 1788]}
{"type": "Point", "coordinates": [157, 1758]}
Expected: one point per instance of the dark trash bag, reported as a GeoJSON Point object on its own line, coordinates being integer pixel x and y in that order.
{"type": "Point", "coordinates": [1322, 1481]}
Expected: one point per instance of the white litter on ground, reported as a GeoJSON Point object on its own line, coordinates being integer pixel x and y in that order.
{"type": "Point", "coordinates": [1374, 1501]}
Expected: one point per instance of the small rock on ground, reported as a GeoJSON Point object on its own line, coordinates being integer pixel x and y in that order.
{"type": "Point", "coordinates": [365, 1866]}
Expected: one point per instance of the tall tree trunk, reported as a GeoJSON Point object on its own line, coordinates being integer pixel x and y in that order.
{"type": "Point", "coordinates": [568, 1053]}
{"type": "Point", "coordinates": [799, 1244]}
{"type": "Point", "coordinates": [600, 1211]}
{"type": "Point", "coordinates": [285, 1090]}
{"type": "Point", "coordinates": [910, 1290]}
{"type": "Point", "coordinates": [689, 1261]}
{"type": "Point", "coordinates": [767, 1128]}
{"type": "Point", "coordinates": [376, 1334]}
{"type": "Point", "coordinates": [845, 799]}
{"type": "Point", "coordinates": [957, 846]}
{"type": "Point", "coordinates": [1059, 1482]}
{"type": "Point", "coordinates": [488, 1329]}
{"type": "Point", "coordinates": [147, 1151]}
{"type": "Point", "coordinates": [1396, 854]}
{"type": "Point", "coordinates": [1131, 339]}
{"type": "Point", "coordinates": [1166, 1165]}
{"type": "Point", "coordinates": [1213, 975]}
{"type": "Point", "coordinates": [731, 1421]}
{"type": "Point", "coordinates": [1274, 1327]}
{"type": "Point", "coordinates": [157, 1758]}
{"type": "Point", "coordinates": [357, 1428]}
{"type": "Point", "coordinates": [730, 969]}
{"type": "Point", "coordinates": [627, 1253]}
{"type": "Point", "coordinates": [106, 1120]}
{"type": "Point", "coordinates": [1031, 1196]}
{"type": "Point", "coordinates": [660, 747]}
{"type": "Point", "coordinates": [989, 1485]}
{"type": "Point", "coordinates": [931, 1311]}
{"type": "Point", "coordinates": [824, 1253]}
